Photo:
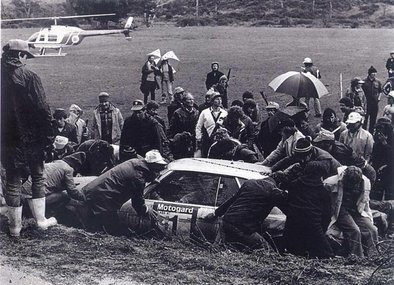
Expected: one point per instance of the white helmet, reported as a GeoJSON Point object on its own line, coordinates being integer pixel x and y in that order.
{"type": "Point", "coordinates": [307, 60]}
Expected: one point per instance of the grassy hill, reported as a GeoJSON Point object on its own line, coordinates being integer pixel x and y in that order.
{"type": "Point", "coordinates": [317, 13]}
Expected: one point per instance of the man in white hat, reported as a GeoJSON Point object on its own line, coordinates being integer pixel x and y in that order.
{"type": "Point", "coordinates": [309, 67]}
{"type": "Point", "coordinates": [360, 140]}
{"type": "Point", "coordinates": [106, 194]}
{"type": "Point", "coordinates": [26, 132]}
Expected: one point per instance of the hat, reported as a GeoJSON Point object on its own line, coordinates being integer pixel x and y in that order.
{"type": "Point", "coordinates": [272, 105]}
{"type": "Point", "coordinates": [103, 96]}
{"type": "Point", "coordinates": [307, 60]}
{"type": "Point", "coordinates": [223, 77]}
{"type": "Point", "coordinates": [60, 142]}
{"type": "Point", "coordinates": [138, 105]}
{"type": "Point", "coordinates": [214, 62]}
{"type": "Point", "coordinates": [391, 52]}
{"type": "Point", "coordinates": [372, 70]}
{"type": "Point", "coordinates": [354, 117]}
{"type": "Point", "coordinates": [59, 113]}
{"type": "Point", "coordinates": [303, 145]}
{"type": "Point", "coordinates": [75, 107]}
{"type": "Point", "coordinates": [178, 90]}
{"type": "Point", "coordinates": [154, 156]}
{"type": "Point", "coordinates": [18, 45]}
{"type": "Point", "coordinates": [214, 95]}
{"type": "Point", "coordinates": [391, 94]}
{"type": "Point", "coordinates": [75, 160]}
{"type": "Point", "coordinates": [324, 136]}
{"type": "Point", "coordinates": [357, 80]}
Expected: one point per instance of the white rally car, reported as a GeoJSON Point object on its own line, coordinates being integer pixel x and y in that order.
{"type": "Point", "coordinates": [189, 189]}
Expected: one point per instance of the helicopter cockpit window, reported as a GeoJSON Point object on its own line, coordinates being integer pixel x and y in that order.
{"type": "Point", "coordinates": [52, 38]}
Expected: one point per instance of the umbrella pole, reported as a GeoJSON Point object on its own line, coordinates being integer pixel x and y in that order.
{"type": "Point", "coordinates": [340, 84]}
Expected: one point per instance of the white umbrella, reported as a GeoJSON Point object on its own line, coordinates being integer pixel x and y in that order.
{"type": "Point", "coordinates": [298, 85]}
{"type": "Point", "coordinates": [172, 59]}
{"type": "Point", "coordinates": [156, 54]}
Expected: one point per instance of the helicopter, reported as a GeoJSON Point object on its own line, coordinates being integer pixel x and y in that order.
{"type": "Point", "coordinates": [57, 36]}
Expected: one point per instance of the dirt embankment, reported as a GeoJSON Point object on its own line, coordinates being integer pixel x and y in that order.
{"type": "Point", "coordinates": [64, 255]}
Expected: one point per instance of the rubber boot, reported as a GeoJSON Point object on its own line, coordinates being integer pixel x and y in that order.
{"type": "Point", "coordinates": [37, 207]}
{"type": "Point", "coordinates": [15, 219]}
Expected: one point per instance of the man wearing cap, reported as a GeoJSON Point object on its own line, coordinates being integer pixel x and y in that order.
{"type": "Point", "coordinates": [350, 209]}
{"type": "Point", "coordinates": [64, 128]}
{"type": "Point", "coordinates": [305, 152]}
{"type": "Point", "coordinates": [360, 140]}
{"type": "Point", "coordinates": [142, 133]}
{"type": "Point", "coordinates": [356, 92]}
{"type": "Point", "coordinates": [149, 82]}
{"type": "Point", "coordinates": [185, 118]}
{"type": "Point", "coordinates": [107, 121]}
{"type": "Point", "coordinates": [221, 87]}
{"type": "Point", "coordinates": [373, 91]}
{"type": "Point", "coordinates": [74, 118]}
{"type": "Point", "coordinates": [61, 147]}
{"type": "Point", "coordinates": [312, 69]}
{"type": "Point", "coordinates": [177, 103]}
{"type": "Point", "coordinates": [106, 194]}
{"type": "Point", "coordinates": [208, 122]}
{"type": "Point", "coordinates": [390, 65]}
{"type": "Point", "coordinates": [59, 181]}
{"type": "Point", "coordinates": [267, 139]}
{"type": "Point", "coordinates": [213, 76]}
{"type": "Point", "coordinates": [26, 132]}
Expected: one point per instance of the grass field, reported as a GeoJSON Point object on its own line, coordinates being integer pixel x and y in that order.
{"type": "Point", "coordinates": [256, 56]}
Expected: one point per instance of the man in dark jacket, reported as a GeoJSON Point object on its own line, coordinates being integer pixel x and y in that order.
{"type": "Point", "coordinates": [62, 127]}
{"type": "Point", "coordinates": [149, 82]}
{"type": "Point", "coordinates": [185, 118]}
{"type": "Point", "coordinates": [244, 213]}
{"type": "Point", "coordinates": [26, 132]}
{"type": "Point", "coordinates": [308, 214]}
{"type": "Point", "coordinates": [373, 91]}
{"type": "Point", "coordinates": [142, 133]}
{"type": "Point", "coordinates": [106, 194]}
{"type": "Point", "coordinates": [213, 76]}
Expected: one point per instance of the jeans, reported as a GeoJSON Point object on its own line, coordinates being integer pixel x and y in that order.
{"type": "Point", "coordinates": [150, 88]}
{"type": "Point", "coordinates": [13, 189]}
{"type": "Point", "coordinates": [371, 114]}
{"type": "Point", "coordinates": [166, 90]}
{"type": "Point", "coordinates": [360, 233]}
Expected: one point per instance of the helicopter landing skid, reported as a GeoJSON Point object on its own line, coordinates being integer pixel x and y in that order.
{"type": "Point", "coordinates": [50, 55]}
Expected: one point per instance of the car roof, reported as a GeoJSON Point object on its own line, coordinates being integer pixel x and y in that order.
{"type": "Point", "coordinates": [218, 166]}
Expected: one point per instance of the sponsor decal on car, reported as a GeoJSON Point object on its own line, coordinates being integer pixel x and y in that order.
{"type": "Point", "coordinates": [162, 207]}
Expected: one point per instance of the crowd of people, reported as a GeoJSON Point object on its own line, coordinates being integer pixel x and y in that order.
{"type": "Point", "coordinates": [337, 175]}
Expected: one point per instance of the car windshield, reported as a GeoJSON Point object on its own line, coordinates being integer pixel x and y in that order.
{"type": "Point", "coordinates": [194, 188]}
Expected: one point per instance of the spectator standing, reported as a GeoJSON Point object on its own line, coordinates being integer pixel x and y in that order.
{"type": "Point", "coordinates": [142, 133]}
{"type": "Point", "coordinates": [240, 126]}
{"type": "Point", "coordinates": [213, 76]}
{"type": "Point", "coordinates": [373, 91]}
{"type": "Point", "coordinates": [388, 110]}
{"type": "Point", "coordinates": [152, 108]}
{"type": "Point", "coordinates": [149, 82]}
{"type": "Point", "coordinates": [185, 118]}
{"type": "Point", "coordinates": [331, 123]}
{"type": "Point", "coordinates": [356, 92]}
{"type": "Point", "coordinates": [63, 128]}
{"type": "Point", "coordinates": [346, 106]}
{"type": "Point", "coordinates": [179, 92]}
{"type": "Point", "coordinates": [208, 122]}
{"type": "Point", "coordinates": [26, 132]}
{"type": "Point", "coordinates": [251, 108]}
{"type": "Point", "coordinates": [74, 118]}
{"type": "Point", "coordinates": [309, 67]}
{"type": "Point", "coordinates": [107, 120]}
{"type": "Point", "coordinates": [166, 73]}
{"type": "Point", "coordinates": [390, 65]}
{"type": "Point", "coordinates": [221, 87]}
{"type": "Point", "coordinates": [360, 140]}
{"type": "Point", "coordinates": [350, 209]}
{"type": "Point", "coordinates": [207, 102]}
{"type": "Point", "coordinates": [268, 139]}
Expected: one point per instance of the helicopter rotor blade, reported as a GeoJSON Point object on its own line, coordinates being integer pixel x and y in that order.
{"type": "Point", "coordinates": [58, 17]}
